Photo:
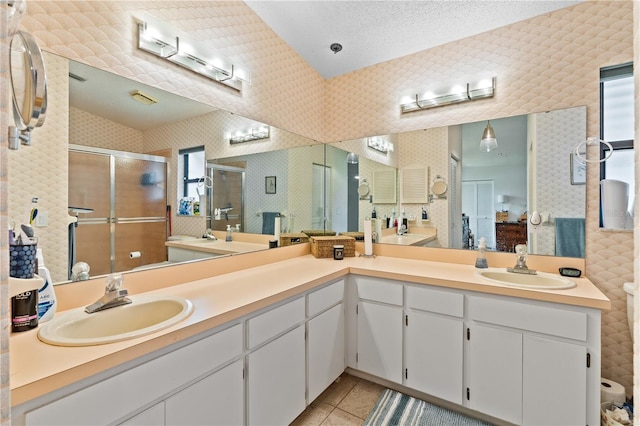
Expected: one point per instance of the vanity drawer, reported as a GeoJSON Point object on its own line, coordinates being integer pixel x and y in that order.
{"type": "Point", "coordinates": [273, 322]}
{"type": "Point", "coordinates": [326, 297]}
{"type": "Point", "coordinates": [379, 290]}
{"type": "Point", "coordinates": [438, 301]}
{"type": "Point", "coordinates": [528, 316]}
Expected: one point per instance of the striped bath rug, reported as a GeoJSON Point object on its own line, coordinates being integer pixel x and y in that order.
{"type": "Point", "coordinates": [394, 408]}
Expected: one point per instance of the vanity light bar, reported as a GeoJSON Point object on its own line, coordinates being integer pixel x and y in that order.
{"type": "Point", "coordinates": [162, 40]}
{"type": "Point", "coordinates": [465, 95]}
{"type": "Point", "coordinates": [380, 145]}
{"type": "Point", "coordinates": [251, 135]}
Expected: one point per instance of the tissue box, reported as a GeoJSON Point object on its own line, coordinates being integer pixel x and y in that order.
{"type": "Point", "coordinates": [289, 239]}
{"type": "Point", "coordinates": [322, 247]}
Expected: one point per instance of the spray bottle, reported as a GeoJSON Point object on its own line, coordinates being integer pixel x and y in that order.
{"type": "Point", "coordinates": [46, 295]}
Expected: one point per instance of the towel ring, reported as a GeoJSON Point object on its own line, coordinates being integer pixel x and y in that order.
{"type": "Point", "coordinates": [592, 141]}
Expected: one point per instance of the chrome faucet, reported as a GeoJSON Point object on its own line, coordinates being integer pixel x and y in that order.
{"type": "Point", "coordinates": [402, 229]}
{"type": "Point", "coordinates": [521, 261]}
{"type": "Point", "coordinates": [114, 295]}
{"type": "Point", "coordinates": [208, 234]}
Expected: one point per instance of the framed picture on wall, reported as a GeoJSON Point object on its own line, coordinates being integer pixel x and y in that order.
{"type": "Point", "coordinates": [578, 171]}
{"type": "Point", "coordinates": [270, 185]}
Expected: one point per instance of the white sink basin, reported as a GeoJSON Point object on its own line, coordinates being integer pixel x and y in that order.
{"type": "Point", "coordinates": [541, 280]}
{"type": "Point", "coordinates": [147, 314]}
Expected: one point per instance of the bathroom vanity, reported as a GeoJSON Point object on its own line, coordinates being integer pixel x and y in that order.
{"type": "Point", "coordinates": [264, 342]}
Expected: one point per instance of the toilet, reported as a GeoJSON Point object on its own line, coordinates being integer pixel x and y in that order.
{"type": "Point", "coordinates": [628, 288]}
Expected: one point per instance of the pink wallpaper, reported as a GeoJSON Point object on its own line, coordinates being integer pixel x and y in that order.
{"type": "Point", "coordinates": [548, 62]}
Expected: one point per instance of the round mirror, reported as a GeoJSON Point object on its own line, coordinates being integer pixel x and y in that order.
{"type": "Point", "coordinates": [363, 189]}
{"type": "Point", "coordinates": [439, 187]}
{"type": "Point", "coordinates": [28, 81]}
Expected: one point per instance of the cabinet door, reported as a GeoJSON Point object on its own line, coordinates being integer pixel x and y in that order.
{"type": "Point", "coordinates": [433, 355]}
{"type": "Point", "coordinates": [153, 416]}
{"type": "Point", "coordinates": [495, 373]}
{"type": "Point", "coordinates": [554, 383]}
{"type": "Point", "coordinates": [276, 380]}
{"type": "Point", "coordinates": [380, 340]}
{"type": "Point", "coordinates": [326, 350]}
{"type": "Point", "coordinates": [218, 399]}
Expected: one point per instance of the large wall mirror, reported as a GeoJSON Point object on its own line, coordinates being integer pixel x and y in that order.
{"type": "Point", "coordinates": [489, 195]}
{"type": "Point", "coordinates": [318, 186]}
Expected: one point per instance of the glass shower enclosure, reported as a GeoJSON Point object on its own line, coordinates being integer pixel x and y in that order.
{"type": "Point", "coordinates": [125, 199]}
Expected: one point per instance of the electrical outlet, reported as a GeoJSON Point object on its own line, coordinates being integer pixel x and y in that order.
{"type": "Point", "coordinates": [42, 219]}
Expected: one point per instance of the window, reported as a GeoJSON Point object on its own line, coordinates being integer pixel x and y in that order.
{"type": "Point", "coordinates": [193, 167]}
{"type": "Point", "coordinates": [617, 124]}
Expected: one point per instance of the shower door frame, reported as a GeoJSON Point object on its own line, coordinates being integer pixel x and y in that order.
{"type": "Point", "coordinates": [210, 168]}
{"type": "Point", "coordinates": [112, 220]}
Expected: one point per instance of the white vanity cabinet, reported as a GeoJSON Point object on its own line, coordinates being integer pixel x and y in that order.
{"type": "Point", "coordinates": [276, 379]}
{"type": "Point", "coordinates": [218, 399]}
{"type": "Point", "coordinates": [434, 340]}
{"type": "Point", "coordinates": [153, 416]}
{"type": "Point", "coordinates": [379, 328]}
{"type": "Point", "coordinates": [326, 338]}
{"type": "Point", "coordinates": [532, 363]}
{"type": "Point", "coordinates": [129, 393]}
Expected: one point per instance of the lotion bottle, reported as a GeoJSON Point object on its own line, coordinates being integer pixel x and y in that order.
{"type": "Point", "coordinates": [46, 294]}
{"type": "Point", "coordinates": [228, 238]}
{"type": "Point", "coordinates": [481, 260]}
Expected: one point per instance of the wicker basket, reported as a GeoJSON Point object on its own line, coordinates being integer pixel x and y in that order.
{"type": "Point", "coordinates": [502, 216]}
{"type": "Point", "coordinates": [294, 238]}
{"type": "Point", "coordinates": [322, 247]}
{"type": "Point", "coordinates": [318, 233]}
{"type": "Point", "coordinates": [359, 236]}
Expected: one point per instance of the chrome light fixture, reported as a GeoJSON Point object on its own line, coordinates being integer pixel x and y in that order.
{"type": "Point", "coordinates": [488, 142]}
{"type": "Point", "coordinates": [250, 135]}
{"type": "Point", "coordinates": [380, 145]}
{"type": "Point", "coordinates": [470, 92]}
{"type": "Point", "coordinates": [161, 39]}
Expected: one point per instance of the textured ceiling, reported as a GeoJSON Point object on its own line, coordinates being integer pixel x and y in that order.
{"type": "Point", "coordinates": [377, 31]}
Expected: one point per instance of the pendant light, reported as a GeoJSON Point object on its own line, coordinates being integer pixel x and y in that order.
{"type": "Point", "coordinates": [488, 142]}
{"type": "Point", "coordinates": [352, 158]}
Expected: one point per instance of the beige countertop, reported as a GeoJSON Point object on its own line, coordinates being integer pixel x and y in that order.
{"type": "Point", "coordinates": [219, 246]}
{"type": "Point", "coordinates": [417, 236]}
{"type": "Point", "coordinates": [38, 368]}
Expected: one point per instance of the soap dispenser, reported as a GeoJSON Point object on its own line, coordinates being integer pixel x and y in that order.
{"type": "Point", "coordinates": [228, 238]}
{"type": "Point", "coordinates": [373, 213]}
{"type": "Point", "coordinates": [424, 213]}
{"type": "Point", "coordinates": [481, 260]}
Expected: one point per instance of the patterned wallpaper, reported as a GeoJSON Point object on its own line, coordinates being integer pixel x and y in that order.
{"type": "Point", "coordinates": [429, 147]}
{"type": "Point", "coordinates": [544, 63]}
{"type": "Point", "coordinates": [5, 120]}
{"type": "Point", "coordinates": [556, 134]}
{"type": "Point", "coordinates": [41, 171]}
{"type": "Point", "coordinates": [90, 130]}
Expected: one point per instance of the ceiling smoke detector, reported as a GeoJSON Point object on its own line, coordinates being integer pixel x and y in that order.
{"type": "Point", "coordinates": [143, 98]}
{"type": "Point", "coordinates": [335, 47]}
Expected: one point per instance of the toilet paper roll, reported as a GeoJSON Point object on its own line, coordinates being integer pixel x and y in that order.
{"type": "Point", "coordinates": [134, 255]}
{"type": "Point", "coordinates": [611, 391]}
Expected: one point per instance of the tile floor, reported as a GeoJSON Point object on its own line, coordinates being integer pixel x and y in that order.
{"type": "Point", "coordinates": [346, 402]}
